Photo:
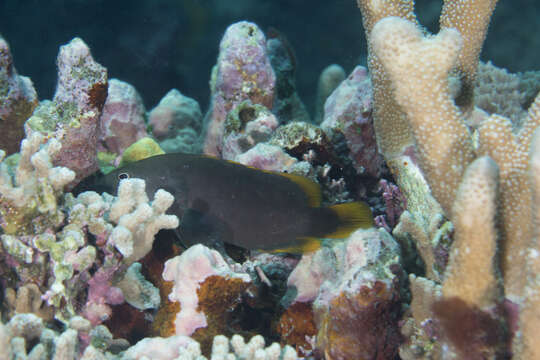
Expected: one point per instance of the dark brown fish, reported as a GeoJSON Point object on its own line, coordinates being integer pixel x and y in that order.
{"type": "Point", "coordinates": [241, 205]}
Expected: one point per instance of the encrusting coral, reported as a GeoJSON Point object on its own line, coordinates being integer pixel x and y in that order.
{"type": "Point", "coordinates": [122, 121]}
{"type": "Point", "coordinates": [176, 123]}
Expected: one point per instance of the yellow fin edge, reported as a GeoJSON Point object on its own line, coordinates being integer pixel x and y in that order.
{"type": "Point", "coordinates": [308, 186]}
{"type": "Point", "coordinates": [304, 245]}
{"type": "Point", "coordinates": [352, 216]}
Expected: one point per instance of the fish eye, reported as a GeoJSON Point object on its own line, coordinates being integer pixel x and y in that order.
{"type": "Point", "coordinates": [123, 176]}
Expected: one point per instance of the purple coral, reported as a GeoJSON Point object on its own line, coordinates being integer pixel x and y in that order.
{"type": "Point", "coordinates": [17, 101]}
{"type": "Point", "coordinates": [243, 72]}
{"type": "Point", "coordinates": [395, 203]}
{"type": "Point", "coordinates": [81, 88]}
{"type": "Point", "coordinates": [101, 294]}
{"type": "Point", "coordinates": [73, 116]}
{"type": "Point", "coordinates": [349, 111]}
{"type": "Point", "coordinates": [122, 120]}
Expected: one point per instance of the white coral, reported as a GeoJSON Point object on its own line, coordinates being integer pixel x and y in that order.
{"type": "Point", "coordinates": [33, 171]}
{"type": "Point", "coordinates": [137, 220]}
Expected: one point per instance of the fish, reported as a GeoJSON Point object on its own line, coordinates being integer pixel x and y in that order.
{"type": "Point", "coordinates": [221, 200]}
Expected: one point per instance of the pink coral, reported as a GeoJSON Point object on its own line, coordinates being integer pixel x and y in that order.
{"type": "Point", "coordinates": [349, 110]}
{"type": "Point", "coordinates": [243, 72]}
{"type": "Point", "coordinates": [188, 271]}
{"type": "Point", "coordinates": [100, 293]}
{"type": "Point", "coordinates": [122, 120]}
{"type": "Point", "coordinates": [17, 101]}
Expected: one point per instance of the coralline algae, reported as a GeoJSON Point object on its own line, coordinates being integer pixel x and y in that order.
{"type": "Point", "coordinates": [243, 72]}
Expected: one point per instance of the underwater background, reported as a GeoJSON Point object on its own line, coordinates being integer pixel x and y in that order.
{"type": "Point", "coordinates": [161, 45]}
{"type": "Point", "coordinates": [269, 179]}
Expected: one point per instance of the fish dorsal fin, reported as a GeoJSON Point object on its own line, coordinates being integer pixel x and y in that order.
{"type": "Point", "coordinates": [311, 189]}
{"type": "Point", "coordinates": [351, 216]}
{"type": "Point", "coordinates": [308, 186]}
{"type": "Point", "coordinates": [303, 245]}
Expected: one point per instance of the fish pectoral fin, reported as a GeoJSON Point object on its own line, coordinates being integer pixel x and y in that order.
{"type": "Point", "coordinates": [302, 245]}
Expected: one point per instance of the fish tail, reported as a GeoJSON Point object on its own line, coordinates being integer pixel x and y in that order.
{"type": "Point", "coordinates": [334, 222]}
{"type": "Point", "coordinates": [347, 218]}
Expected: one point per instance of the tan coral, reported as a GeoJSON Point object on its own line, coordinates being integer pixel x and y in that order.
{"type": "Point", "coordinates": [471, 19]}
{"type": "Point", "coordinates": [474, 219]}
{"type": "Point", "coordinates": [420, 344]}
{"type": "Point", "coordinates": [526, 342]}
{"type": "Point", "coordinates": [391, 125]}
{"type": "Point", "coordinates": [419, 68]}
{"type": "Point", "coordinates": [510, 152]}
{"type": "Point", "coordinates": [27, 299]}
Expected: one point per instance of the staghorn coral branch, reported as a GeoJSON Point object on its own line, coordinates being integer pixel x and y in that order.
{"type": "Point", "coordinates": [391, 125]}
{"type": "Point", "coordinates": [419, 69]}
{"type": "Point", "coordinates": [474, 216]}
{"type": "Point", "coordinates": [510, 152]}
{"type": "Point", "coordinates": [471, 19]}
{"type": "Point", "coordinates": [526, 343]}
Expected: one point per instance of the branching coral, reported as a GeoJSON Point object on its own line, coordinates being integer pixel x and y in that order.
{"type": "Point", "coordinates": [391, 127]}
{"type": "Point", "coordinates": [420, 67]}
{"type": "Point", "coordinates": [399, 44]}
{"type": "Point", "coordinates": [483, 290]}
{"type": "Point", "coordinates": [43, 247]}
{"type": "Point", "coordinates": [30, 191]}
{"type": "Point", "coordinates": [424, 93]}
{"type": "Point", "coordinates": [525, 342]}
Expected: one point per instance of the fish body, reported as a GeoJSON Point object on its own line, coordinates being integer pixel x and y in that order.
{"type": "Point", "coordinates": [241, 205]}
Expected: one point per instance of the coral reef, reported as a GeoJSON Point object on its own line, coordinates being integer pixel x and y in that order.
{"type": "Point", "coordinates": [122, 119]}
{"type": "Point", "coordinates": [329, 80]}
{"type": "Point", "coordinates": [176, 123]}
{"type": "Point", "coordinates": [348, 110]}
{"type": "Point", "coordinates": [451, 270]}
{"type": "Point", "coordinates": [42, 246]}
{"type": "Point", "coordinates": [18, 98]}
{"type": "Point", "coordinates": [243, 71]}
{"type": "Point", "coordinates": [25, 336]}
{"type": "Point", "coordinates": [73, 115]}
